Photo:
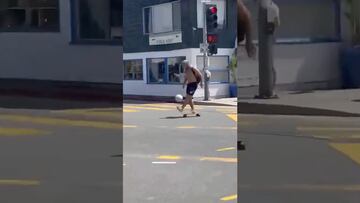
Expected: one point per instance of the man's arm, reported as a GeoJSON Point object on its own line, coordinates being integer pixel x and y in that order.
{"type": "Point", "coordinates": [184, 83]}
{"type": "Point", "coordinates": [244, 27]}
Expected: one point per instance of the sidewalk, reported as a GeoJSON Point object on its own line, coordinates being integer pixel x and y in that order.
{"type": "Point", "coordinates": [345, 103]}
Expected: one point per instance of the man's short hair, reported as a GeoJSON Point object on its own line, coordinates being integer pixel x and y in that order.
{"type": "Point", "coordinates": [185, 63]}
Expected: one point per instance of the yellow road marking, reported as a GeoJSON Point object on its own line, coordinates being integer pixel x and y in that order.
{"type": "Point", "coordinates": [18, 182]}
{"type": "Point", "coordinates": [147, 108]}
{"type": "Point", "coordinates": [159, 105]}
{"type": "Point", "coordinates": [337, 136]}
{"type": "Point", "coordinates": [94, 113]}
{"type": "Point", "coordinates": [229, 111]}
{"type": "Point", "coordinates": [233, 117]}
{"type": "Point", "coordinates": [225, 149]}
{"type": "Point", "coordinates": [222, 128]}
{"type": "Point", "coordinates": [167, 106]}
{"type": "Point", "coordinates": [228, 198]}
{"type": "Point", "coordinates": [129, 126]}
{"type": "Point", "coordinates": [130, 111]}
{"type": "Point", "coordinates": [349, 149]}
{"type": "Point", "coordinates": [220, 159]}
{"type": "Point", "coordinates": [309, 187]}
{"type": "Point", "coordinates": [327, 129]}
{"type": "Point", "coordinates": [215, 128]}
{"type": "Point", "coordinates": [186, 127]}
{"type": "Point", "coordinates": [66, 122]}
{"type": "Point", "coordinates": [21, 131]}
{"type": "Point", "coordinates": [169, 157]}
{"type": "Point", "coordinates": [90, 110]}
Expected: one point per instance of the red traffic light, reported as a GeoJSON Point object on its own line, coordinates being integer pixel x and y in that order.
{"type": "Point", "coordinates": [212, 38]}
{"type": "Point", "coordinates": [213, 9]}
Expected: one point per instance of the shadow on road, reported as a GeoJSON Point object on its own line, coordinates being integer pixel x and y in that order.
{"type": "Point", "coordinates": [178, 117]}
{"type": "Point", "coordinates": [356, 100]}
{"type": "Point", "coordinates": [302, 92]}
{"type": "Point", "coordinates": [22, 102]}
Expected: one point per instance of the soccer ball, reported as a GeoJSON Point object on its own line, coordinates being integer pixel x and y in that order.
{"type": "Point", "coordinates": [179, 98]}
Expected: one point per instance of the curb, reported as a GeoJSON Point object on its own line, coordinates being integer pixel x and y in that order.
{"type": "Point", "coordinates": [129, 98]}
{"type": "Point", "coordinates": [203, 103]}
{"type": "Point", "coordinates": [279, 109]}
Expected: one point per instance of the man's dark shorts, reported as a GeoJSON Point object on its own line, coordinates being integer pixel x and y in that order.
{"type": "Point", "coordinates": [191, 88]}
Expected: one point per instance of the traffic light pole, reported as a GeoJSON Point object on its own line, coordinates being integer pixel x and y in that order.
{"type": "Point", "coordinates": [266, 57]}
{"type": "Point", "coordinates": [206, 58]}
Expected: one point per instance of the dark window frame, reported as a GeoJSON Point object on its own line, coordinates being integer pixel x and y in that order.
{"type": "Point", "coordinates": [28, 28]}
{"type": "Point", "coordinates": [133, 74]}
{"type": "Point", "coordinates": [76, 40]}
{"type": "Point", "coordinates": [149, 32]}
{"type": "Point", "coordinates": [166, 71]}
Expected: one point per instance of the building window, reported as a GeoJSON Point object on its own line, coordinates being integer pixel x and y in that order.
{"type": "Point", "coordinates": [133, 69]}
{"type": "Point", "coordinates": [97, 21]}
{"type": "Point", "coordinates": [175, 69]}
{"type": "Point", "coordinates": [29, 16]}
{"type": "Point", "coordinates": [301, 21]}
{"type": "Point", "coordinates": [218, 68]}
{"type": "Point", "coordinates": [162, 18]}
{"type": "Point", "coordinates": [165, 70]}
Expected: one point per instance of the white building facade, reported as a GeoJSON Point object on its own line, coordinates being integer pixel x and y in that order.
{"type": "Point", "coordinates": [160, 34]}
{"type": "Point", "coordinates": [61, 40]}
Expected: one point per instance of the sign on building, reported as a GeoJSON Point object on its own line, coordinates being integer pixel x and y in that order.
{"type": "Point", "coordinates": [165, 39]}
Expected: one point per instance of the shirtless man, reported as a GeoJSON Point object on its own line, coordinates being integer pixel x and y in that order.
{"type": "Point", "coordinates": [192, 78]}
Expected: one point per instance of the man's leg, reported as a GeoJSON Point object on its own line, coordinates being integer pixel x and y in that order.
{"type": "Point", "coordinates": [192, 104]}
{"type": "Point", "coordinates": [186, 101]}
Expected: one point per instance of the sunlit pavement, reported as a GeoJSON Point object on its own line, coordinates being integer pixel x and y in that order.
{"type": "Point", "coordinates": [168, 158]}
{"type": "Point", "coordinates": [59, 151]}
{"type": "Point", "coordinates": [299, 159]}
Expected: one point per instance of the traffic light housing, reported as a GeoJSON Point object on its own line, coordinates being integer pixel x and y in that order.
{"type": "Point", "coordinates": [212, 40]}
{"type": "Point", "coordinates": [211, 27]}
{"type": "Point", "coordinates": [211, 18]}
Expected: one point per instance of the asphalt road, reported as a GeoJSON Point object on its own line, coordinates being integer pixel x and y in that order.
{"type": "Point", "coordinates": [168, 158]}
{"type": "Point", "coordinates": [55, 151]}
{"type": "Point", "coordinates": [299, 159]}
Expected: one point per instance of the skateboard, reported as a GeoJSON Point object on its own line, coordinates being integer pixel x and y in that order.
{"type": "Point", "coordinates": [190, 114]}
